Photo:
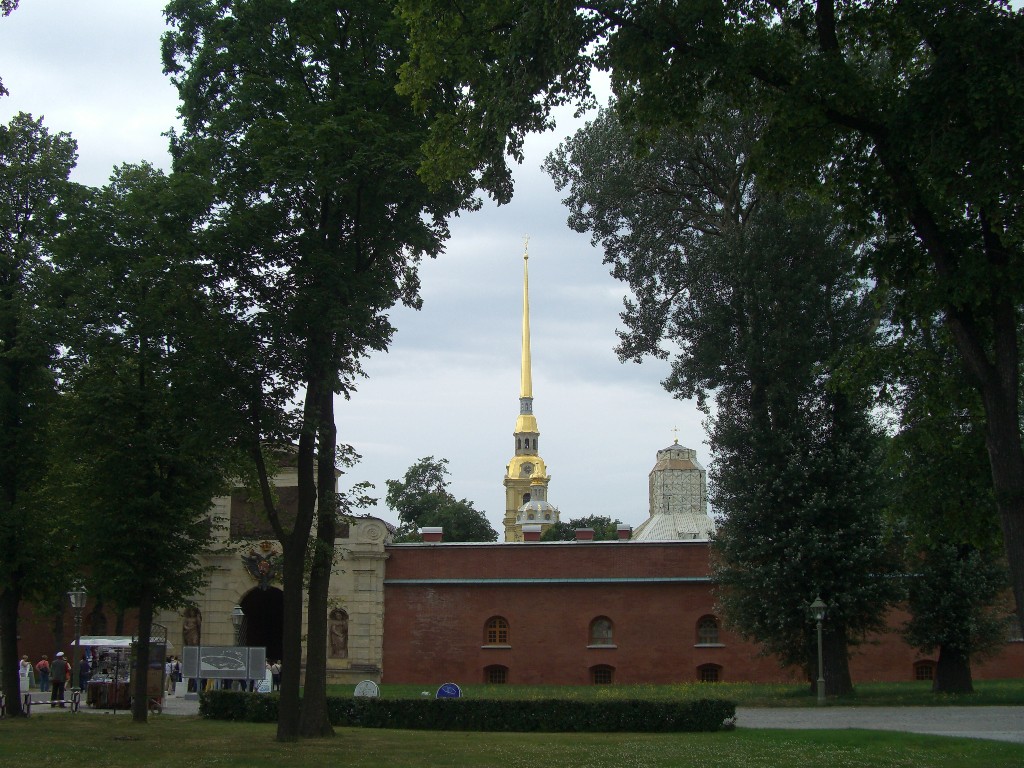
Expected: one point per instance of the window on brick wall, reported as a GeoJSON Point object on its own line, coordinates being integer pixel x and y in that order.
{"type": "Point", "coordinates": [496, 674]}
{"type": "Point", "coordinates": [924, 670]}
{"type": "Point", "coordinates": [496, 631]}
{"type": "Point", "coordinates": [602, 674]}
{"type": "Point", "coordinates": [709, 673]}
{"type": "Point", "coordinates": [707, 631]}
{"type": "Point", "coordinates": [601, 631]}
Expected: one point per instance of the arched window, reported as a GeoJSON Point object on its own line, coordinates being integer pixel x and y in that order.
{"type": "Point", "coordinates": [496, 674]}
{"type": "Point", "coordinates": [519, 443]}
{"type": "Point", "coordinates": [709, 673]}
{"type": "Point", "coordinates": [526, 498]}
{"type": "Point", "coordinates": [924, 670]}
{"type": "Point", "coordinates": [602, 674]}
{"type": "Point", "coordinates": [496, 631]}
{"type": "Point", "coordinates": [601, 631]}
{"type": "Point", "coordinates": [707, 631]}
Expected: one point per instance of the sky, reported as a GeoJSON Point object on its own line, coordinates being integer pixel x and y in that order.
{"type": "Point", "coordinates": [448, 386]}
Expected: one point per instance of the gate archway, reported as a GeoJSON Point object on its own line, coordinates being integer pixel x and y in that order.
{"type": "Point", "coordinates": [264, 615]}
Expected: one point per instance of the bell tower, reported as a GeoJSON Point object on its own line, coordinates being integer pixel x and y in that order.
{"type": "Point", "coordinates": [526, 476]}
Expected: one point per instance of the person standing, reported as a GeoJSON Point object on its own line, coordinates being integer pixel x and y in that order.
{"type": "Point", "coordinates": [169, 676]}
{"type": "Point", "coordinates": [275, 676]}
{"type": "Point", "coordinates": [59, 670]}
{"type": "Point", "coordinates": [84, 672]}
{"type": "Point", "coordinates": [25, 674]}
{"type": "Point", "coordinates": [43, 670]}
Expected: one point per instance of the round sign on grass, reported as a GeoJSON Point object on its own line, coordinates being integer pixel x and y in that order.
{"type": "Point", "coordinates": [449, 691]}
{"type": "Point", "coordinates": [367, 688]}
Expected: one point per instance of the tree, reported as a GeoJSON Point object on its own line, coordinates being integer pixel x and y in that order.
{"type": "Point", "coordinates": [605, 529]}
{"type": "Point", "coordinates": [145, 436]}
{"type": "Point", "coordinates": [422, 499]}
{"type": "Point", "coordinates": [943, 505]}
{"type": "Point", "coordinates": [290, 110]}
{"type": "Point", "coordinates": [754, 299]}
{"type": "Point", "coordinates": [908, 112]}
{"type": "Point", "coordinates": [34, 169]}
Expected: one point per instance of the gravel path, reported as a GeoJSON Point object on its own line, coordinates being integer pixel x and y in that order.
{"type": "Point", "coordinates": [999, 723]}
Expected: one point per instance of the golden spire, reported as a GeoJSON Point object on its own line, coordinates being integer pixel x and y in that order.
{"type": "Point", "coordinates": [526, 382]}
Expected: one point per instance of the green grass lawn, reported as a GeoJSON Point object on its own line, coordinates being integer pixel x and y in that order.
{"type": "Point", "coordinates": [987, 693]}
{"type": "Point", "coordinates": [101, 741]}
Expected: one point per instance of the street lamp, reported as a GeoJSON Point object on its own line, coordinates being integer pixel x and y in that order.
{"type": "Point", "coordinates": [237, 617]}
{"type": "Point", "coordinates": [77, 597]}
{"type": "Point", "coordinates": [818, 608]}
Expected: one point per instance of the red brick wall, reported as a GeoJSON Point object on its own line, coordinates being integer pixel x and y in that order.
{"type": "Point", "coordinates": [434, 620]}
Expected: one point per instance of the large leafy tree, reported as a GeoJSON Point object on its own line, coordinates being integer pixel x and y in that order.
{"type": "Point", "coordinates": [909, 112]}
{"type": "Point", "coordinates": [754, 299]}
{"type": "Point", "coordinates": [34, 168]}
{"type": "Point", "coordinates": [290, 109]}
{"type": "Point", "coordinates": [422, 499]}
{"type": "Point", "coordinates": [145, 435]}
{"type": "Point", "coordinates": [943, 505]}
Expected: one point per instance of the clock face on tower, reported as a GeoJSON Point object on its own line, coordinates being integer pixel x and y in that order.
{"type": "Point", "coordinates": [526, 470]}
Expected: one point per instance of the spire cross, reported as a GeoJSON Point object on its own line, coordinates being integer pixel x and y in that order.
{"type": "Point", "coordinates": [526, 246]}
{"type": "Point", "coordinates": [675, 433]}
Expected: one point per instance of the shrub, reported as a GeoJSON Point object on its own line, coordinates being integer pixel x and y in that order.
{"type": "Point", "coordinates": [552, 715]}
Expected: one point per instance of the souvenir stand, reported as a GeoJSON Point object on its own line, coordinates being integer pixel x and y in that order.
{"type": "Point", "coordinates": [111, 659]}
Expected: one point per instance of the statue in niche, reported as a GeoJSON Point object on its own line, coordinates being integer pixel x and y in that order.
{"type": "Point", "coordinates": [338, 633]}
{"type": "Point", "coordinates": [192, 626]}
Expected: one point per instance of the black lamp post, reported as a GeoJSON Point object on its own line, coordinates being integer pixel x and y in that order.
{"type": "Point", "coordinates": [818, 608]}
{"type": "Point", "coordinates": [77, 597]}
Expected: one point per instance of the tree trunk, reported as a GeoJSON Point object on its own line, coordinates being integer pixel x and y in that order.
{"type": "Point", "coordinates": [291, 643]}
{"type": "Point", "coordinates": [835, 660]}
{"type": "Point", "coordinates": [953, 672]}
{"type": "Point", "coordinates": [9, 600]}
{"type": "Point", "coordinates": [140, 667]}
{"type": "Point", "coordinates": [295, 546]}
{"type": "Point", "coordinates": [315, 717]}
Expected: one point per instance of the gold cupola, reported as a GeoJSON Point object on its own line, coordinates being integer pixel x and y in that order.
{"type": "Point", "coordinates": [526, 468]}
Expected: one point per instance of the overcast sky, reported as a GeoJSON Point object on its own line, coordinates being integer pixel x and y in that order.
{"type": "Point", "coordinates": [449, 386]}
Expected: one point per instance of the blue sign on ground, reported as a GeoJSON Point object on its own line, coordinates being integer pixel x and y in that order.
{"type": "Point", "coordinates": [449, 691]}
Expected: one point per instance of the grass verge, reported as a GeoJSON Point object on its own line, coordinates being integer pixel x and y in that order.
{"type": "Point", "coordinates": [177, 742]}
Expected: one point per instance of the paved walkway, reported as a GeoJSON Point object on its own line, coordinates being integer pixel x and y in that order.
{"type": "Point", "coordinates": [998, 723]}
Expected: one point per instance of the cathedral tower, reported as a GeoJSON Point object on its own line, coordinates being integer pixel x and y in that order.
{"type": "Point", "coordinates": [526, 477]}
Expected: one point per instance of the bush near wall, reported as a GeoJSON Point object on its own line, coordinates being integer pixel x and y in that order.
{"type": "Point", "coordinates": [552, 715]}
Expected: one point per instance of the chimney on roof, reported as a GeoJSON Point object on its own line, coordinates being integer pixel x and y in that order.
{"type": "Point", "coordinates": [531, 532]}
{"type": "Point", "coordinates": [432, 535]}
{"type": "Point", "coordinates": [625, 532]}
{"type": "Point", "coordinates": [584, 534]}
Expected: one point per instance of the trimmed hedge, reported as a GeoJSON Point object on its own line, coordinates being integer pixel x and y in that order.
{"type": "Point", "coordinates": [552, 715]}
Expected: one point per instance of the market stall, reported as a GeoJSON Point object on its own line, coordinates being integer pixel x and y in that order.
{"type": "Point", "coordinates": [110, 657]}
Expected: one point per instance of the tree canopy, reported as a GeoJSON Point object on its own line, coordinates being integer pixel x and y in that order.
{"type": "Point", "coordinates": [907, 114]}
{"type": "Point", "coordinates": [753, 297]}
{"type": "Point", "coordinates": [144, 438]}
{"type": "Point", "coordinates": [422, 499]}
{"type": "Point", "coordinates": [319, 222]}
{"type": "Point", "coordinates": [605, 529]}
{"type": "Point", "coordinates": [34, 189]}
